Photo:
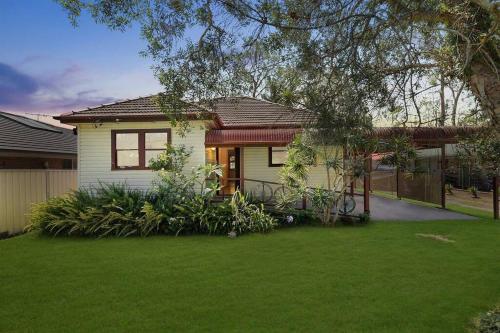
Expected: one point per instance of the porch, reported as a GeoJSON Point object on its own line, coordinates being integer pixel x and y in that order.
{"type": "Point", "coordinates": [251, 159]}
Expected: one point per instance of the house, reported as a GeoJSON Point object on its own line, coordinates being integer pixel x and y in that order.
{"type": "Point", "coordinates": [246, 135]}
{"type": "Point", "coordinates": [30, 144]}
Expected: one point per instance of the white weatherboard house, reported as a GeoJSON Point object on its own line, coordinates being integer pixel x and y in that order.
{"type": "Point", "coordinates": [246, 135]}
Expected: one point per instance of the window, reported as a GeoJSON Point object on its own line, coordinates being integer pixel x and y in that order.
{"type": "Point", "coordinates": [67, 164]}
{"type": "Point", "coordinates": [133, 149]}
{"type": "Point", "coordinates": [127, 150]}
{"type": "Point", "coordinates": [277, 156]}
{"type": "Point", "coordinates": [154, 143]}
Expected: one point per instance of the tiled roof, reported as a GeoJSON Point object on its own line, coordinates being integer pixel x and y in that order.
{"type": "Point", "coordinates": [234, 112]}
{"type": "Point", "coordinates": [247, 112]}
{"type": "Point", "coordinates": [21, 133]}
{"type": "Point", "coordinates": [249, 137]}
{"type": "Point", "coordinates": [141, 107]}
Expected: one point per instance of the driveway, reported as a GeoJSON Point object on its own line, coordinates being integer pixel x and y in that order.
{"type": "Point", "coordinates": [391, 209]}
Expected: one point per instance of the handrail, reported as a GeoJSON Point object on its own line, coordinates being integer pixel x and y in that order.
{"type": "Point", "coordinates": [280, 184]}
{"type": "Point", "coordinates": [268, 193]}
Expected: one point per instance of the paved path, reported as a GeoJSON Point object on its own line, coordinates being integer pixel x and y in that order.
{"type": "Point", "coordinates": [390, 209]}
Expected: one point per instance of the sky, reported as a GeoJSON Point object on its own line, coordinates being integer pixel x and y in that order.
{"type": "Point", "coordinates": [48, 66]}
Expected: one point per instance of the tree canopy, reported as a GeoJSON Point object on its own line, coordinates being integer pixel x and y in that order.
{"type": "Point", "coordinates": [340, 58]}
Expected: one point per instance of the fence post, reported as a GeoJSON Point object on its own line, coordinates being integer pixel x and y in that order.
{"type": "Point", "coordinates": [397, 183]}
{"type": "Point", "coordinates": [443, 176]}
{"type": "Point", "coordinates": [47, 187]}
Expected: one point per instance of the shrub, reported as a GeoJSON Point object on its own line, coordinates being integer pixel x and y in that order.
{"type": "Point", "coordinates": [108, 210]}
{"type": "Point", "coordinates": [249, 217]}
{"type": "Point", "coordinates": [181, 203]}
{"type": "Point", "coordinates": [237, 214]}
{"type": "Point", "coordinates": [115, 210]}
{"type": "Point", "coordinates": [364, 218]}
{"type": "Point", "coordinates": [474, 192]}
{"type": "Point", "coordinates": [293, 217]}
{"type": "Point", "coordinates": [489, 322]}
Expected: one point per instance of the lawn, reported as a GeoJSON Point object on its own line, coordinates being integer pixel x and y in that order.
{"type": "Point", "coordinates": [378, 278]}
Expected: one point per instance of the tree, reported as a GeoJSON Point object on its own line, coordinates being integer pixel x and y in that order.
{"type": "Point", "coordinates": [480, 152]}
{"type": "Point", "coordinates": [386, 44]}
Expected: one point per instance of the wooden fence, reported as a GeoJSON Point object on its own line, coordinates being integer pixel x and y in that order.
{"type": "Point", "coordinates": [19, 189]}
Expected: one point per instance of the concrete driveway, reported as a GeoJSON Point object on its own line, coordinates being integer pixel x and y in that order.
{"type": "Point", "coordinates": [391, 209]}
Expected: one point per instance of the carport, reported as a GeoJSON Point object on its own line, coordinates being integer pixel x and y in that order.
{"type": "Point", "coordinates": [431, 187]}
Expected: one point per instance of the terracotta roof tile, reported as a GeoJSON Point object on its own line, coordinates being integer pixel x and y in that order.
{"type": "Point", "coordinates": [137, 106]}
{"type": "Point", "coordinates": [246, 112]}
{"type": "Point", "coordinates": [234, 112]}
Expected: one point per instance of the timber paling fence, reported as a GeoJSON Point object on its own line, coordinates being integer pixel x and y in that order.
{"type": "Point", "coordinates": [20, 189]}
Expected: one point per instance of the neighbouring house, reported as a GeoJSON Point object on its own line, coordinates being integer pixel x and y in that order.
{"type": "Point", "coordinates": [247, 136]}
{"type": "Point", "coordinates": [30, 144]}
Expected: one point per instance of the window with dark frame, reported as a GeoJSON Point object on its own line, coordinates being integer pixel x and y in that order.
{"type": "Point", "coordinates": [67, 164]}
{"type": "Point", "coordinates": [133, 149]}
{"type": "Point", "coordinates": [277, 156]}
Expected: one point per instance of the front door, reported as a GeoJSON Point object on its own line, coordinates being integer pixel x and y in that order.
{"type": "Point", "coordinates": [229, 159]}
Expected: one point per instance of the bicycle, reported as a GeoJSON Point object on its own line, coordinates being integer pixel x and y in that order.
{"type": "Point", "coordinates": [347, 204]}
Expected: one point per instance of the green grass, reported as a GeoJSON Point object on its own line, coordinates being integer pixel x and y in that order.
{"type": "Point", "coordinates": [470, 211]}
{"type": "Point", "coordinates": [378, 278]}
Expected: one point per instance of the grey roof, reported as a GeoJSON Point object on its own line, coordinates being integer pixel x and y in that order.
{"type": "Point", "coordinates": [231, 112]}
{"type": "Point", "coordinates": [21, 133]}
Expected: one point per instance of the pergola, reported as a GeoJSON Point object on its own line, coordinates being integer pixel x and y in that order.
{"type": "Point", "coordinates": [427, 137]}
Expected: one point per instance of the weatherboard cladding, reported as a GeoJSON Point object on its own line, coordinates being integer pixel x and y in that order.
{"type": "Point", "coordinates": [19, 133]}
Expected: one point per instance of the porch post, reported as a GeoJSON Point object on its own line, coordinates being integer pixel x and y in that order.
{"type": "Point", "coordinates": [443, 178]}
{"type": "Point", "coordinates": [495, 196]}
{"type": "Point", "coordinates": [242, 170]}
{"type": "Point", "coordinates": [366, 183]}
{"type": "Point", "coordinates": [397, 183]}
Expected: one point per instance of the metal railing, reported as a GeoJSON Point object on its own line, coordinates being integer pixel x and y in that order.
{"type": "Point", "coordinates": [267, 191]}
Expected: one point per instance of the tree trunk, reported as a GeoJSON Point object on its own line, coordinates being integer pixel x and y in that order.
{"type": "Point", "coordinates": [442, 116]}
{"type": "Point", "coordinates": [485, 85]}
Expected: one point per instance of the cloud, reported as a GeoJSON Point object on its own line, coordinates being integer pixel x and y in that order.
{"type": "Point", "coordinates": [59, 91]}
{"type": "Point", "coordinates": [15, 87]}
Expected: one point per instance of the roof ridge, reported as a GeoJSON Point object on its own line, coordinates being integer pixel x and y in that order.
{"type": "Point", "coordinates": [119, 101]}
{"type": "Point", "coordinates": [264, 100]}
{"type": "Point", "coordinates": [193, 103]}
{"type": "Point", "coordinates": [13, 116]}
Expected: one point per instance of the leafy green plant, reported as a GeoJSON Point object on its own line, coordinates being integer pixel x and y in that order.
{"type": "Point", "coordinates": [474, 192]}
{"type": "Point", "coordinates": [107, 210]}
{"type": "Point", "coordinates": [364, 218]}
{"type": "Point", "coordinates": [489, 322]}
{"type": "Point", "coordinates": [294, 217]}
{"type": "Point", "coordinates": [400, 152]}
{"type": "Point", "coordinates": [115, 210]}
{"type": "Point", "coordinates": [249, 217]}
{"type": "Point", "coordinates": [303, 153]}
{"type": "Point", "coordinates": [181, 203]}
{"type": "Point", "coordinates": [449, 189]}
